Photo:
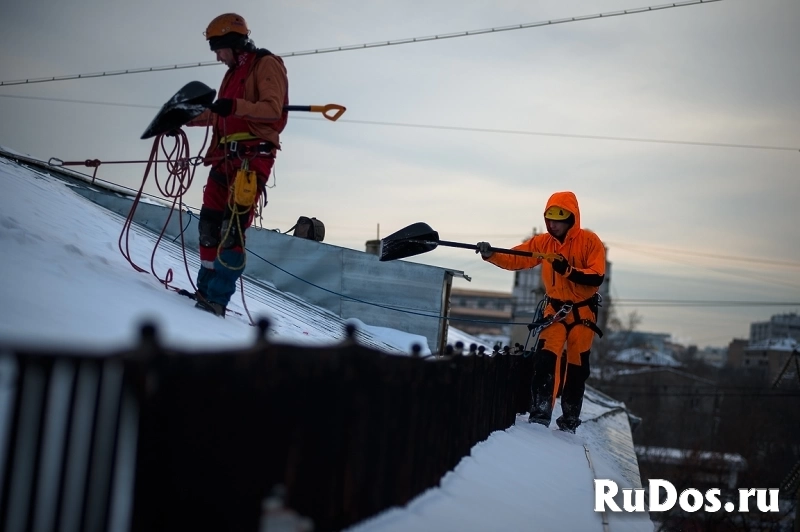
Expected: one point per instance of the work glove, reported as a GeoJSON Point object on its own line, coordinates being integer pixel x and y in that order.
{"type": "Point", "coordinates": [223, 107]}
{"type": "Point", "coordinates": [561, 265]}
{"type": "Point", "coordinates": [483, 249]}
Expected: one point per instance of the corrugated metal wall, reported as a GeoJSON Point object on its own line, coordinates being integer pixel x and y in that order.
{"type": "Point", "coordinates": [67, 443]}
{"type": "Point", "coordinates": [335, 278]}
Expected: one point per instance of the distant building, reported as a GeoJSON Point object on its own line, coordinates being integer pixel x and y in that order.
{"type": "Point", "coordinates": [713, 356]}
{"type": "Point", "coordinates": [677, 409]}
{"type": "Point", "coordinates": [778, 326]}
{"type": "Point", "coordinates": [705, 469]}
{"type": "Point", "coordinates": [480, 311]}
{"type": "Point", "coordinates": [736, 352]}
{"type": "Point", "coordinates": [772, 357]}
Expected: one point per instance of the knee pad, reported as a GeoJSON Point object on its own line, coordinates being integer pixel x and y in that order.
{"type": "Point", "coordinates": [232, 230]}
{"type": "Point", "coordinates": [230, 234]}
{"type": "Point", "coordinates": [209, 227]}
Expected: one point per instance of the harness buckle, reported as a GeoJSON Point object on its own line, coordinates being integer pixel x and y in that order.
{"type": "Point", "coordinates": [538, 325]}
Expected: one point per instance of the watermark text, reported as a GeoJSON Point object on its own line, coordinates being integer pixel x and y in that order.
{"type": "Point", "coordinates": [662, 496]}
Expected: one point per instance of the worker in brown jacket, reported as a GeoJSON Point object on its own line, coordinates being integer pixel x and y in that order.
{"type": "Point", "coordinates": [247, 119]}
{"type": "Point", "coordinates": [571, 284]}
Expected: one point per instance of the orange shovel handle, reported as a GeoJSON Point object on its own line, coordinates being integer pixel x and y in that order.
{"type": "Point", "coordinates": [331, 111]}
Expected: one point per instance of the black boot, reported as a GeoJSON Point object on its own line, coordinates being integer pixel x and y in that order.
{"type": "Point", "coordinates": [210, 306]}
{"type": "Point", "coordinates": [568, 424]}
{"type": "Point", "coordinates": [541, 411]}
{"type": "Point", "coordinates": [572, 395]}
{"type": "Point", "coordinates": [542, 388]}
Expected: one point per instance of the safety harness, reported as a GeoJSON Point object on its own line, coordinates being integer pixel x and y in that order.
{"type": "Point", "coordinates": [244, 191]}
{"type": "Point", "coordinates": [240, 145]}
{"type": "Point", "coordinates": [594, 303]}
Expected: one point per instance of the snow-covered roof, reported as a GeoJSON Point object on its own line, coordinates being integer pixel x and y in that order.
{"type": "Point", "coordinates": [529, 477]}
{"type": "Point", "coordinates": [775, 344]}
{"type": "Point", "coordinates": [66, 284]}
{"type": "Point", "coordinates": [674, 456]}
{"type": "Point", "coordinates": [664, 369]}
{"type": "Point", "coordinates": [649, 357]}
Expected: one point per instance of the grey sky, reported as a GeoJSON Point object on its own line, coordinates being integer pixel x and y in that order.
{"type": "Point", "coordinates": [725, 72]}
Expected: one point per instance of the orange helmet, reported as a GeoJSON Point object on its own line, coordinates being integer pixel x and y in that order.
{"type": "Point", "coordinates": [227, 31]}
{"type": "Point", "coordinates": [224, 24]}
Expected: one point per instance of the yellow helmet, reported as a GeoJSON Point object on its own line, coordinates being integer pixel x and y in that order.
{"type": "Point", "coordinates": [557, 213]}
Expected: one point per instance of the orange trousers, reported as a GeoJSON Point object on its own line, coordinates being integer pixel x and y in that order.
{"type": "Point", "coordinates": [578, 341]}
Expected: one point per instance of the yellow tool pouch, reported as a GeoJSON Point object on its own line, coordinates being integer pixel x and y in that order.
{"type": "Point", "coordinates": [245, 187]}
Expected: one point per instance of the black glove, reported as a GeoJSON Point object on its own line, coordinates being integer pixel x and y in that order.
{"type": "Point", "coordinates": [172, 133]}
{"type": "Point", "coordinates": [483, 249]}
{"type": "Point", "coordinates": [222, 107]}
{"type": "Point", "coordinates": [561, 265]}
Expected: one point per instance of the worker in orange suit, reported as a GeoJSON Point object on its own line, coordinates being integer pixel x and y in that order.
{"type": "Point", "coordinates": [571, 283]}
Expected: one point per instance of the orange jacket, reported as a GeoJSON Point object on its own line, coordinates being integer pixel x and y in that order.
{"type": "Point", "coordinates": [266, 92]}
{"type": "Point", "coordinates": [582, 248]}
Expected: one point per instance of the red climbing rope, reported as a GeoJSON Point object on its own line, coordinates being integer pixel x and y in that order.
{"type": "Point", "coordinates": [180, 167]}
{"type": "Point", "coordinates": [180, 174]}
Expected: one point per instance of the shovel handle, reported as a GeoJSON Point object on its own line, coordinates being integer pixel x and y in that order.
{"type": "Point", "coordinates": [331, 111]}
{"type": "Point", "coordinates": [337, 109]}
{"type": "Point", "coordinates": [549, 257]}
{"type": "Point", "coordinates": [545, 256]}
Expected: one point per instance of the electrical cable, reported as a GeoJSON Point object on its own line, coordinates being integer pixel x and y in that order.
{"type": "Point", "coordinates": [790, 264]}
{"type": "Point", "coordinates": [566, 135]}
{"type": "Point", "coordinates": [700, 303]}
{"type": "Point", "coordinates": [493, 131]}
{"type": "Point", "coordinates": [377, 44]}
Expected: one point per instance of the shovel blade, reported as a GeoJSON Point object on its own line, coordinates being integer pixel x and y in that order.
{"type": "Point", "coordinates": [187, 104]}
{"type": "Point", "coordinates": [413, 240]}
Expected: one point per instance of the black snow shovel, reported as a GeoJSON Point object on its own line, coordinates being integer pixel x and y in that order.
{"type": "Point", "coordinates": [420, 238]}
{"type": "Point", "coordinates": [190, 102]}
{"type": "Point", "coordinates": [186, 105]}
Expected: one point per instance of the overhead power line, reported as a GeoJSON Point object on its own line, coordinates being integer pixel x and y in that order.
{"type": "Point", "coordinates": [88, 102]}
{"type": "Point", "coordinates": [454, 128]}
{"type": "Point", "coordinates": [752, 259]}
{"type": "Point", "coordinates": [376, 44]}
{"type": "Point", "coordinates": [565, 135]}
{"type": "Point", "coordinates": [700, 303]}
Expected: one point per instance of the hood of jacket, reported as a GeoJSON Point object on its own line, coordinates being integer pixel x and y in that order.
{"type": "Point", "coordinates": [566, 200]}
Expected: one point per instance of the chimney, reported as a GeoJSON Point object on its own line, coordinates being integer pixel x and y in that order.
{"type": "Point", "coordinates": [374, 247]}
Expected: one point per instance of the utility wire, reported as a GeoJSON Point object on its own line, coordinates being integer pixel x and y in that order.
{"type": "Point", "coordinates": [760, 260]}
{"type": "Point", "coordinates": [750, 260]}
{"type": "Point", "coordinates": [89, 102]}
{"type": "Point", "coordinates": [700, 303]}
{"type": "Point", "coordinates": [754, 393]}
{"type": "Point", "coordinates": [453, 128]}
{"type": "Point", "coordinates": [563, 135]}
{"type": "Point", "coordinates": [750, 276]}
{"type": "Point", "coordinates": [377, 44]}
